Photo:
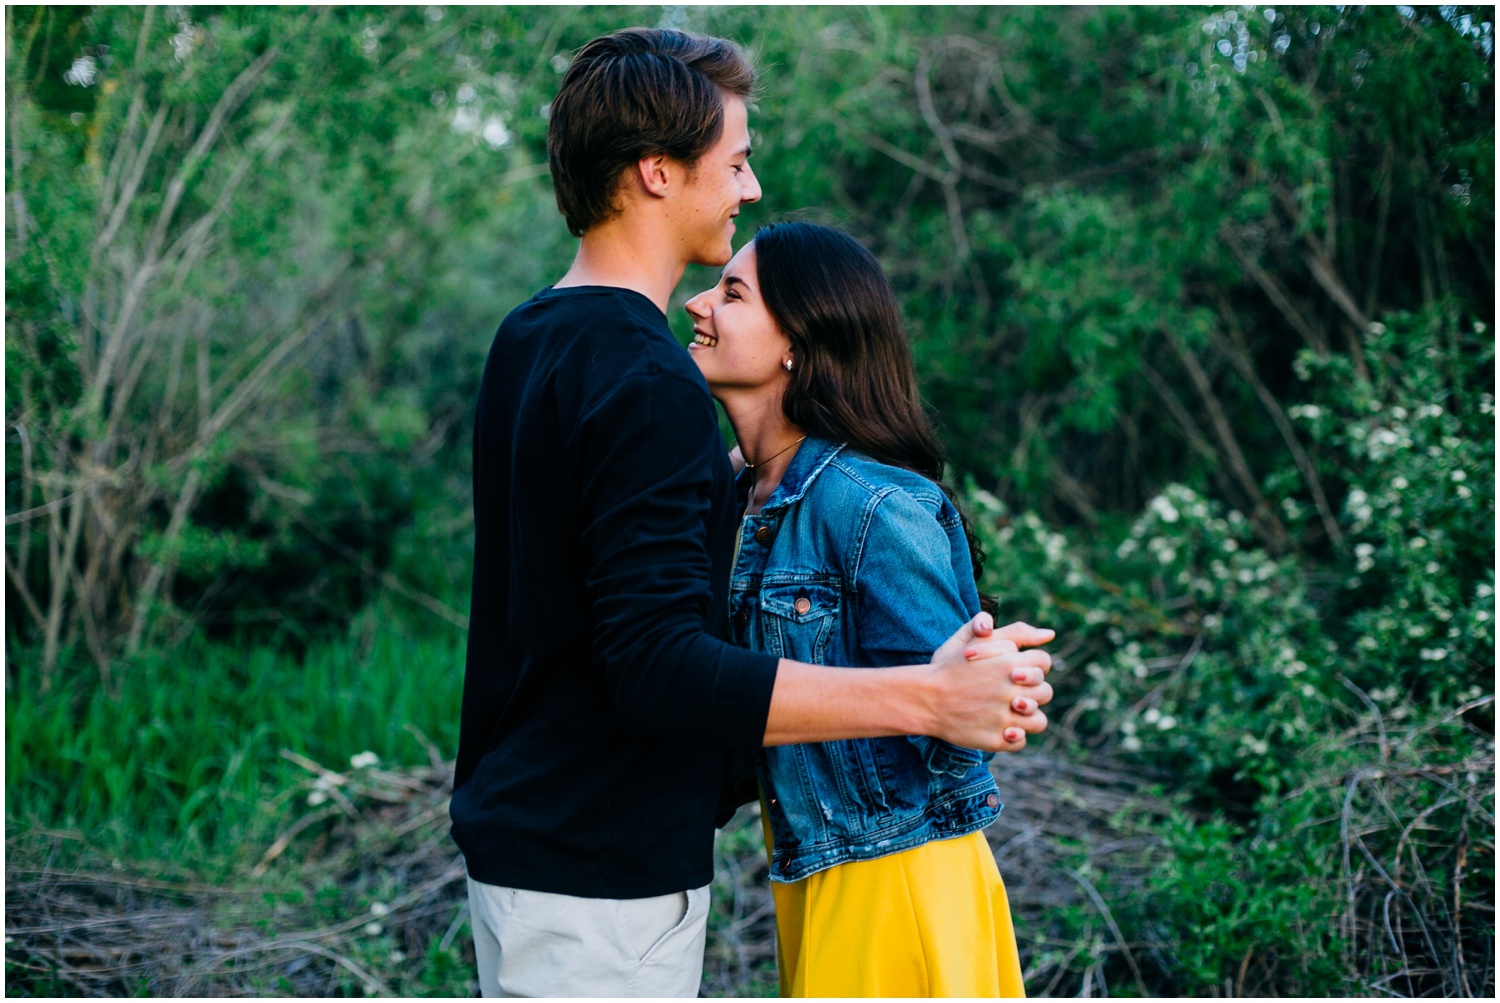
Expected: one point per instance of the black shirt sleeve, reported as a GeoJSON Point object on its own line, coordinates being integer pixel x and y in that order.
{"type": "Point", "coordinates": [644, 451]}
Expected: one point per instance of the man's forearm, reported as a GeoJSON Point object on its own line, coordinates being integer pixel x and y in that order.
{"type": "Point", "coordinates": [816, 703]}
{"type": "Point", "coordinates": [980, 692]}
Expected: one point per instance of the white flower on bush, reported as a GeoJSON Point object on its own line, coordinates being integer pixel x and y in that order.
{"type": "Point", "coordinates": [1358, 506]}
{"type": "Point", "coordinates": [988, 502]}
{"type": "Point", "coordinates": [1434, 654]}
{"type": "Point", "coordinates": [363, 760]}
{"type": "Point", "coordinates": [1131, 744]}
{"type": "Point", "coordinates": [1364, 557]}
{"type": "Point", "coordinates": [1458, 476]}
{"type": "Point", "coordinates": [1164, 509]}
{"type": "Point", "coordinates": [1125, 549]}
{"type": "Point", "coordinates": [1400, 483]}
{"type": "Point", "coordinates": [1308, 411]}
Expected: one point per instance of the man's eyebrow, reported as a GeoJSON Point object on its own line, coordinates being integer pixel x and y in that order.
{"type": "Point", "coordinates": [745, 151]}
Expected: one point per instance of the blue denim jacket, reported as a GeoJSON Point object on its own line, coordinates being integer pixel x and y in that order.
{"type": "Point", "coordinates": [853, 562]}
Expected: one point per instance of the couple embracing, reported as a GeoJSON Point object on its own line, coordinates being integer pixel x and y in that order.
{"type": "Point", "coordinates": [649, 612]}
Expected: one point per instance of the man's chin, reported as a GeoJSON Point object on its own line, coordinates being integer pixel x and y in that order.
{"type": "Point", "coordinates": [716, 257]}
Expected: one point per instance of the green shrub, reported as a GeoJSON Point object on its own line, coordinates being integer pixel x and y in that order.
{"type": "Point", "coordinates": [1325, 716]}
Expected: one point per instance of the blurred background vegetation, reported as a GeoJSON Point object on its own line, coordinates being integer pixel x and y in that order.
{"type": "Point", "coordinates": [1203, 297]}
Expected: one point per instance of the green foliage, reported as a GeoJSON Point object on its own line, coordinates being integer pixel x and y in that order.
{"type": "Point", "coordinates": [184, 761]}
{"type": "Point", "coordinates": [1204, 299]}
{"type": "Point", "coordinates": [1276, 693]}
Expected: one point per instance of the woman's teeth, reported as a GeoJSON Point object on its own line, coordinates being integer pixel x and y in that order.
{"type": "Point", "coordinates": [706, 340]}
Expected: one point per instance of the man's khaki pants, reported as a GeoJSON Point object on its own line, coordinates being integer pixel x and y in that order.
{"type": "Point", "coordinates": [540, 944]}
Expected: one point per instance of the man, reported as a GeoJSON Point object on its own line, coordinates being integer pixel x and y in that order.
{"type": "Point", "coordinates": [599, 703]}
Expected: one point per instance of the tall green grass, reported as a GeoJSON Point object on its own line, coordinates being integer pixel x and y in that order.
{"type": "Point", "coordinates": [184, 763]}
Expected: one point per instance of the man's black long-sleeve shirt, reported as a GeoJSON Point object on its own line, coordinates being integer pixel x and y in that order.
{"type": "Point", "coordinates": [599, 702]}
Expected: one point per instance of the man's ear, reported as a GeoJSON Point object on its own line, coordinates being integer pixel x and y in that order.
{"type": "Point", "coordinates": [656, 173]}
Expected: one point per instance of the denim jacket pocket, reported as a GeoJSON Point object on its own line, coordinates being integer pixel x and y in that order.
{"type": "Point", "coordinates": [944, 757]}
{"type": "Point", "coordinates": [799, 614]}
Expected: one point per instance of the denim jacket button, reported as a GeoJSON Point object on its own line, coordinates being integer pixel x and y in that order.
{"type": "Point", "coordinates": [802, 605]}
{"type": "Point", "coordinates": [993, 801]}
{"type": "Point", "coordinates": [765, 535]}
{"type": "Point", "coordinates": [741, 619]}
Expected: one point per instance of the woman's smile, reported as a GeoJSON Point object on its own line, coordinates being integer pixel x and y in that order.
{"type": "Point", "coordinates": [749, 351]}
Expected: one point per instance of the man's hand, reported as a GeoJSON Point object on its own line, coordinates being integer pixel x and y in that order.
{"type": "Point", "coordinates": [987, 693]}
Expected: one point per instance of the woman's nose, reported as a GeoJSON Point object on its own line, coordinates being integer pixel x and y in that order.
{"type": "Point", "coordinates": [697, 307]}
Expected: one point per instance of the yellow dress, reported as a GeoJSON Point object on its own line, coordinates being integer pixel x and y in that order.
{"type": "Point", "coordinates": [929, 921]}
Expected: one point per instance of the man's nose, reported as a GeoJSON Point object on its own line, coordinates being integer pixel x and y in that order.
{"type": "Point", "coordinates": [751, 191]}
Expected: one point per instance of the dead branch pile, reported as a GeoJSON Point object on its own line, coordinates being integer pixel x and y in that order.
{"type": "Point", "coordinates": [363, 894]}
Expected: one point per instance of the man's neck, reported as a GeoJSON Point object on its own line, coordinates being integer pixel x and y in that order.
{"type": "Point", "coordinates": [616, 253]}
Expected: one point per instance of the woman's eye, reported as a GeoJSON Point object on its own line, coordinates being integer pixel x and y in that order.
{"type": "Point", "coordinates": [730, 294]}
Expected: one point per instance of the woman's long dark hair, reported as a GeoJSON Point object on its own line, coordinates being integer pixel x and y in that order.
{"type": "Point", "coordinates": [852, 377]}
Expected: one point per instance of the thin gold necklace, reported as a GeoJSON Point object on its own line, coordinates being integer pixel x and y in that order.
{"type": "Point", "coordinates": [752, 466]}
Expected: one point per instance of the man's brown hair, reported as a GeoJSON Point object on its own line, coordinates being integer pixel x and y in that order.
{"type": "Point", "coordinates": [636, 93]}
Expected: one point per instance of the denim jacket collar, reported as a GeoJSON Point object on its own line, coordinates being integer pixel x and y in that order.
{"type": "Point", "coordinates": [813, 455]}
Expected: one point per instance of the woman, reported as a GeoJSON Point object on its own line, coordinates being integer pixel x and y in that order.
{"type": "Point", "coordinates": [851, 554]}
